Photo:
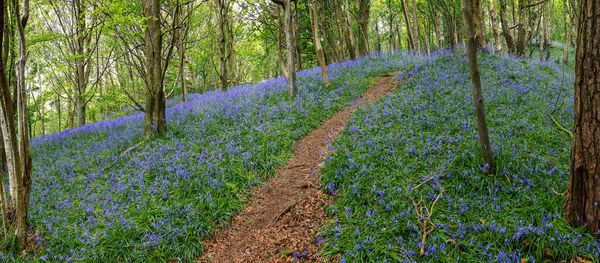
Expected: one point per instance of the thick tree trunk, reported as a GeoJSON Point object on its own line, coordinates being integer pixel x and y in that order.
{"type": "Point", "coordinates": [510, 43]}
{"type": "Point", "coordinates": [18, 157]}
{"type": "Point", "coordinates": [415, 24]}
{"type": "Point", "coordinates": [479, 23]}
{"type": "Point", "coordinates": [494, 25]}
{"type": "Point", "coordinates": [364, 7]}
{"type": "Point", "coordinates": [412, 43]}
{"type": "Point", "coordinates": [280, 27]}
{"type": "Point", "coordinates": [344, 29]}
{"type": "Point", "coordinates": [581, 205]}
{"type": "Point", "coordinates": [522, 29]}
{"type": "Point", "coordinates": [348, 25]}
{"type": "Point", "coordinates": [472, 44]}
{"type": "Point", "coordinates": [291, 47]}
{"type": "Point", "coordinates": [317, 40]}
{"type": "Point", "coordinates": [438, 30]}
{"type": "Point", "coordinates": [155, 96]}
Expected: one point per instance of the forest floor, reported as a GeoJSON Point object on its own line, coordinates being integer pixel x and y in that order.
{"type": "Point", "coordinates": [282, 218]}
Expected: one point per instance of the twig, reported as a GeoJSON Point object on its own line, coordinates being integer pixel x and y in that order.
{"type": "Point", "coordinates": [430, 177]}
{"type": "Point", "coordinates": [560, 127]}
{"type": "Point", "coordinates": [133, 147]}
{"type": "Point", "coordinates": [286, 210]}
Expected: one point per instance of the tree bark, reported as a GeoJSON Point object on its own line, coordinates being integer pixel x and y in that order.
{"type": "Point", "coordinates": [348, 25]}
{"type": "Point", "coordinates": [344, 29]}
{"type": "Point", "coordinates": [484, 141]}
{"type": "Point", "coordinates": [317, 40]}
{"type": "Point", "coordinates": [291, 47]}
{"type": "Point", "coordinates": [522, 29]}
{"type": "Point", "coordinates": [494, 25]}
{"type": "Point", "coordinates": [280, 27]}
{"type": "Point", "coordinates": [222, 13]}
{"type": "Point", "coordinates": [583, 194]}
{"type": "Point", "coordinates": [415, 24]}
{"type": "Point", "coordinates": [479, 23]}
{"type": "Point", "coordinates": [412, 43]}
{"type": "Point", "coordinates": [566, 53]}
{"type": "Point", "coordinates": [155, 95]}
{"type": "Point", "coordinates": [364, 7]}
{"type": "Point", "coordinates": [510, 43]}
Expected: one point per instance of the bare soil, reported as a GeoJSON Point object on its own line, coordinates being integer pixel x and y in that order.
{"type": "Point", "coordinates": [280, 222]}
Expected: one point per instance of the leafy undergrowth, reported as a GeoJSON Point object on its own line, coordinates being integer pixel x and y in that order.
{"type": "Point", "coordinates": [91, 203]}
{"type": "Point", "coordinates": [415, 156]}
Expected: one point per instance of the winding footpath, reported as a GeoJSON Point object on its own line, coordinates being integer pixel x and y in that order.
{"type": "Point", "coordinates": [281, 219]}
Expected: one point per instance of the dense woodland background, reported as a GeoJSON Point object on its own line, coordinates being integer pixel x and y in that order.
{"type": "Point", "coordinates": [86, 58]}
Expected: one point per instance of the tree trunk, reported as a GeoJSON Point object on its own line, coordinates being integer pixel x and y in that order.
{"type": "Point", "coordinates": [16, 145]}
{"type": "Point", "coordinates": [280, 27]}
{"type": "Point", "coordinates": [415, 24]}
{"type": "Point", "coordinates": [479, 23]}
{"type": "Point", "coordinates": [505, 28]}
{"type": "Point", "coordinates": [438, 30]}
{"type": "Point", "coordinates": [80, 68]}
{"type": "Point", "coordinates": [344, 29]}
{"type": "Point", "coordinates": [494, 25]}
{"type": "Point", "coordinates": [222, 13]}
{"type": "Point", "coordinates": [542, 35]}
{"type": "Point", "coordinates": [364, 7]}
{"type": "Point", "coordinates": [484, 141]}
{"type": "Point", "coordinates": [522, 29]}
{"type": "Point", "coordinates": [566, 53]}
{"type": "Point", "coordinates": [348, 24]}
{"type": "Point", "coordinates": [583, 193]}
{"type": "Point", "coordinates": [179, 39]}
{"type": "Point", "coordinates": [377, 37]}
{"type": "Point", "coordinates": [317, 40]}
{"type": "Point", "coordinates": [155, 96]}
{"type": "Point", "coordinates": [291, 47]}
{"type": "Point", "coordinates": [409, 28]}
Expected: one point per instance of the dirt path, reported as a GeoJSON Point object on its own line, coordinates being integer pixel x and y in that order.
{"type": "Point", "coordinates": [280, 220]}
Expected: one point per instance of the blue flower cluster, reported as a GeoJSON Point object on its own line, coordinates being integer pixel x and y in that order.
{"type": "Point", "coordinates": [91, 203]}
{"type": "Point", "coordinates": [407, 173]}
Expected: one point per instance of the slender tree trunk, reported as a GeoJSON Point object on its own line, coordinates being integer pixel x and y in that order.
{"type": "Point", "coordinates": [566, 53]}
{"type": "Point", "coordinates": [542, 40]}
{"type": "Point", "coordinates": [80, 76]}
{"type": "Point", "coordinates": [484, 141]}
{"type": "Point", "coordinates": [583, 193]}
{"type": "Point", "coordinates": [317, 40]}
{"type": "Point", "coordinates": [377, 37]}
{"type": "Point", "coordinates": [179, 39]}
{"type": "Point", "coordinates": [222, 13]}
